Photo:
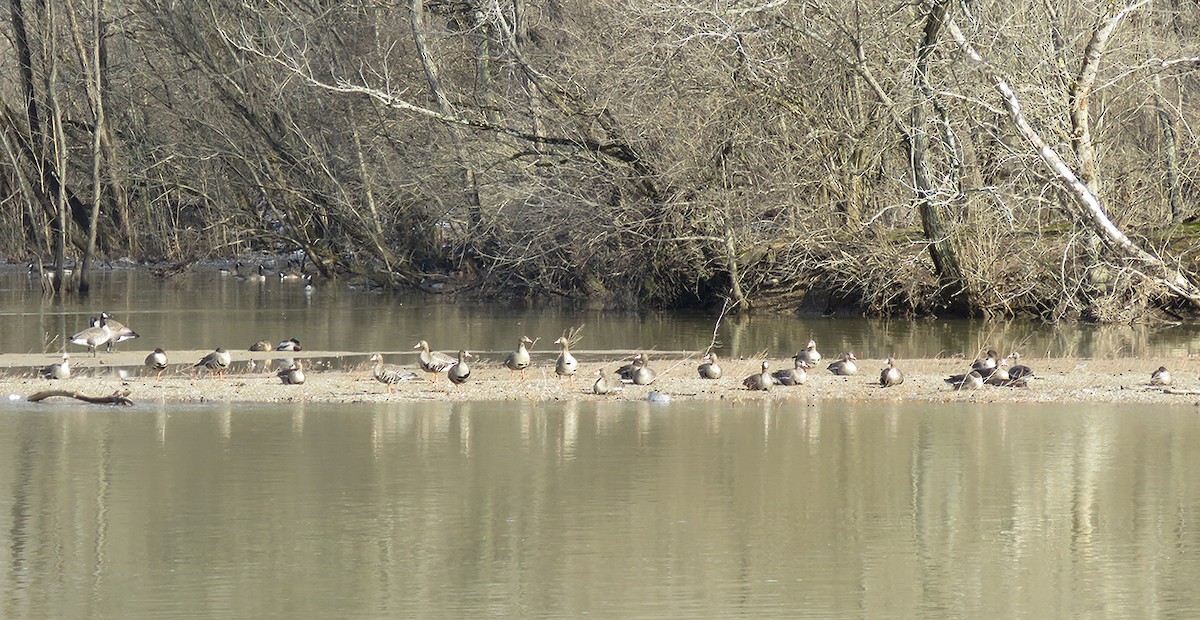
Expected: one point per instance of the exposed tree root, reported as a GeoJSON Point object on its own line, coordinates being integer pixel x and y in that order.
{"type": "Point", "coordinates": [120, 397]}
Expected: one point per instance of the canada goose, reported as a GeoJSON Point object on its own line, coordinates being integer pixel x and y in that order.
{"type": "Point", "coordinates": [157, 361]}
{"type": "Point", "coordinates": [387, 374]}
{"type": "Point", "coordinates": [519, 359]}
{"type": "Point", "coordinates": [845, 365]}
{"type": "Point", "coordinates": [796, 375]}
{"type": "Point", "coordinates": [566, 364]}
{"type": "Point", "coordinates": [431, 362]}
{"type": "Point", "coordinates": [216, 362]}
{"type": "Point", "coordinates": [759, 381]}
{"type": "Point", "coordinates": [59, 370]}
{"type": "Point", "coordinates": [93, 336]}
{"type": "Point", "coordinates": [708, 367]}
{"type": "Point", "coordinates": [292, 375]}
{"type": "Point", "coordinates": [809, 354]}
{"type": "Point", "coordinates": [891, 375]}
{"type": "Point", "coordinates": [120, 332]}
{"type": "Point", "coordinates": [459, 371]}
{"type": "Point", "coordinates": [1162, 376]}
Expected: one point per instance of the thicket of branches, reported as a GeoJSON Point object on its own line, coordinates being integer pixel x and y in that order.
{"type": "Point", "coordinates": [784, 154]}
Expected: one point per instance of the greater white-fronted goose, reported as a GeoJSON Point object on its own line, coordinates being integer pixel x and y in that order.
{"type": "Point", "coordinates": [891, 375]}
{"type": "Point", "coordinates": [708, 367]}
{"type": "Point", "coordinates": [459, 371]}
{"type": "Point", "coordinates": [566, 365]}
{"type": "Point", "coordinates": [519, 359]}
{"type": "Point", "coordinates": [1162, 376]}
{"type": "Point", "coordinates": [120, 332]}
{"type": "Point", "coordinates": [58, 370]}
{"type": "Point", "coordinates": [809, 354]}
{"type": "Point", "coordinates": [216, 362]}
{"type": "Point", "coordinates": [157, 361]}
{"type": "Point", "coordinates": [432, 362]}
{"type": "Point", "coordinates": [292, 375]}
{"type": "Point", "coordinates": [796, 375]}
{"type": "Point", "coordinates": [760, 380]}
{"type": "Point", "coordinates": [93, 336]}
{"type": "Point", "coordinates": [387, 374]}
{"type": "Point", "coordinates": [291, 344]}
{"type": "Point", "coordinates": [845, 365]}
{"type": "Point", "coordinates": [985, 365]}
{"type": "Point", "coordinates": [603, 385]}
{"type": "Point", "coordinates": [970, 381]}
{"type": "Point", "coordinates": [261, 345]}
{"type": "Point", "coordinates": [640, 372]}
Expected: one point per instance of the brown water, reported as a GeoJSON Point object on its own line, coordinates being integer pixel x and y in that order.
{"type": "Point", "coordinates": [607, 510]}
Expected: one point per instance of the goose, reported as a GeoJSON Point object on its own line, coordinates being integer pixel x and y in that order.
{"type": "Point", "coordinates": [625, 373]}
{"type": "Point", "coordinates": [603, 385]}
{"type": "Point", "coordinates": [970, 381]}
{"type": "Point", "coordinates": [708, 367]}
{"type": "Point", "coordinates": [519, 359]}
{"type": "Point", "coordinates": [93, 336]}
{"type": "Point", "coordinates": [261, 345]}
{"type": "Point", "coordinates": [120, 332]}
{"type": "Point", "coordinates": [796, 375]}
{"type": "Point", "coordinates": [891, 375]}
{"type": "Point", "coordinates": [290, 344]}
{"type": "Point", "coordinates": [1018, 370]}
{"type": "Point", "coordinates": [216, 362]}
{"type": "Point", "coordinates": [387, 374]}
{"type": "Point", "coordinates": [999, 375]}
{"type": "Point", "coordinates": [986, 365]}
{"type": "Point", "coordinates": [1162, 376]}
{"type": "Point", "coordinates": [459, 371]}
{"type": "Point", "coordinates": [642, 373]}
{"type": "Point", "coordinates": [431, 362]}
{"type": "Point", "coordinates": [59, 370]}
{"type": "Point", "coordinates": [566, 364]}
{"type": "Point", "coordinates": [157, 361]}
{"type": "Point", "coordinates": [809, 354]}
{"type": "Point", "coordinates": [845, 365]}
{"type": "Point", "coordinates": [759, 381]}
{"type": "Point", "coordinates": [292, 375]}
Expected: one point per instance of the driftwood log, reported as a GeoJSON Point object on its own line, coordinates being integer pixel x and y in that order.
{"type": "Point", "coordinates": [116, 398]}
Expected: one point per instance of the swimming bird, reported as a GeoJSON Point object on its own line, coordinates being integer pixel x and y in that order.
{"type": "Point", "coordinates": [1162, 376]}
{"type": "Point", "coordinates": [970, 381]}
{"type": "Point", "coordinates": [93, 336]}
{"type": "Point", "coordinates": [845, 365]}
{"type": "Point", "coordinates": [603, 385]}
{"type": "Point", "coordinates": [290, 344]}
{"type": "Point", "coordinates": [759, 381]}
{"type": "Point", "coordinates": [431, 362]}
{"type": "Point", "coordinates": [292, 375]}
{"type": "Point", "coordinates": [891, 375]}
{"type": "Point", "coordinates": [566, 364]}
{"type": "Point", "coordinates": [809, 354]}
{"type": "Point", "coordinates": [796, 375]}
{"type": "Point", "coordinates": [519, 359]}
{"type": "Point", "coordinates": [120, 333]}
{"type": "Point", "coordinates": [459, 371]}
{"type": "Point", "coordinates": [59, 370]}
{"type": "Point", "coordinates": [1018, 370]}
{"type": "Point", "coordinates": [387, 374]}
{"type": "Point", "coordinates": [157, 361]}
{"type": "Point", "coordinates": [216, 362]}
{"type": "Point", "coordinates": [708, 367]}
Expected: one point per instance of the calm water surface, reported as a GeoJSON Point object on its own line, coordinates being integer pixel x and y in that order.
{"type": "Point", "coordinates": [600, 509]}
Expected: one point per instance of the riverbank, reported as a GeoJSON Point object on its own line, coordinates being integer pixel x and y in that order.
{"type": "Point", "coordinates": [340, 377]}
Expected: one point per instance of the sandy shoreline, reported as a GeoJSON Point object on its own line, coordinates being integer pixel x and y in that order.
{"type": "Point", "coordinates": [1066, 380]}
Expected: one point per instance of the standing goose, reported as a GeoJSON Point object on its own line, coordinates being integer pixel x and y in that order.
{"type": "Point", "coordinates": [292, 375]}
{"type": "Point", "coordinates": [389, 375]}
{"type": "Point", "coordinates": [291, 344]}
{"type": "Point", "coordinates": [519, 359]}
{"type": "Point", "coordinates": [1162, 376]}
{"type": "Point", "coordinates": [603, 385]}
{"type": "Point", "coordinates": [216, 362]}
{"type": "Point", "coordinates": [891, 375]}
{"type": "Point", "coordinates": [708, 367]}
{"type": "Point", "coordinates": [845, 365]}
{"type": "Point", "coordinates": [157, 361]}
{"type": "Point", "coordinates": [60, 370]}
{"type": "Point", "coordinates": [809, 354]}
{"type": "Point", "coordinates": [566, 364]}
{"type": "Point", "coordinates": [1018, 370]}
{"type": "Point", "coordinates": [94, 336]}
{"type": "Point", "coordinates": [970, 381]}
{"type": "Point", "coordinates": [759, 381]}
{"type": "Point", "coordinates": [120, 332]}
{"type": "Point", "coordinates": [430, 362]}
{"type": "Point", "coordinates": [459, 371]}
{"type": "Point", "coordinates": [796, 375]}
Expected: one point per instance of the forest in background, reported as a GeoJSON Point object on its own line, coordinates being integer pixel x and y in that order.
{"type": "Point", "coordinates": [932, 157]}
